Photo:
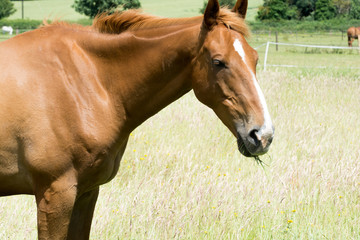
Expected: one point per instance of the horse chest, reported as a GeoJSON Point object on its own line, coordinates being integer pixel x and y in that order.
{"type": "Point", "coordinates": [99, 167]}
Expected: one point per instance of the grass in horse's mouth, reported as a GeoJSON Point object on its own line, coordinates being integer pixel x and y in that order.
{"type": "Point", "coordinates": [259, 161]}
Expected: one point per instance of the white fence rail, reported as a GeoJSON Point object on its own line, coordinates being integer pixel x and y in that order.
{"type": "Point", "coordinates": [299, 45]}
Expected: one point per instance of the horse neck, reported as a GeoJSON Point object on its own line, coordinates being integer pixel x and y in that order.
{"type": "Point", "coordinates": [143, 71]}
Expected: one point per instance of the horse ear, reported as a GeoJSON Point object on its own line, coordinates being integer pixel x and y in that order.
{"type": "Point", "coordinates": [211, 13]}
{"type": "Point", "coordinates": [241, 8]}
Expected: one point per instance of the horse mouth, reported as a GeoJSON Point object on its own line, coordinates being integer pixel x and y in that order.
{"type": "Point", "coordinates": [242, 148]}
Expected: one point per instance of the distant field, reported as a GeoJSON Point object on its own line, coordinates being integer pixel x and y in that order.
{"type": "Point", "coordinates": [47, 9]}
{"type": "Point", "coordinates": [62, 8]}
{"type": "Point", "coordinates": [306, 57]}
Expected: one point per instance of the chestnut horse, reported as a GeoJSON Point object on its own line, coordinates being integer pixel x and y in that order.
{"type": "Point", "coordinates": [353, 33]}
{"type": "Point", "coordinates": [71, 95]}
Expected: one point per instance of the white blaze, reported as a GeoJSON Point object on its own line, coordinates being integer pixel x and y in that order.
{"type": "Point", "coordinates": [267, 127]}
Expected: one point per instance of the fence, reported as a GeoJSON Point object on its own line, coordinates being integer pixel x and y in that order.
{"type": "Point", "coordinates": [301, 45]}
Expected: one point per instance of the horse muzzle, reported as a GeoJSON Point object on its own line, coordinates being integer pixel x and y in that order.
{"type": "Point", "coordinates": [255, 141]}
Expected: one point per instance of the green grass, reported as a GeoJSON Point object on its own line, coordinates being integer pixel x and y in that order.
{"type": "Point", "coordinates": [341, 59]}
{"type": "Point", "coordinates": [252, 9]}
{"type": "Point", "coordinates": [50, 9]}
{"type": "Point", "coordinates": [4, 37]}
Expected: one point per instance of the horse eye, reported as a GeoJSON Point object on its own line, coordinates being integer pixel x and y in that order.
{"type": "Point", "coordinates": [219, 63]}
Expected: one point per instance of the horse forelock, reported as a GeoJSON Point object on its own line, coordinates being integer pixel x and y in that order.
{"type": "Point", "coordinates": [119, 22]}
{"type": "Point", "coordinates": [234, 21]}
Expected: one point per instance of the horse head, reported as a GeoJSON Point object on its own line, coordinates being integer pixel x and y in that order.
{"type": "Point", "coordinates": [224, 78]}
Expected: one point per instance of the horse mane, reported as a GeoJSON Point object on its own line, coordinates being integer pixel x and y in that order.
{"type": "Point", "coordinates": [59, 23]}
{"type": "Point", "coordinates": [133, 20]}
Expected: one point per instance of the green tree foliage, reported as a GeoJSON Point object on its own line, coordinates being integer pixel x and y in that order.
{"type": "Point", "coordinates": [354, 12]}
{"type": "Point", "coordinates": [342, 7]}
{"type": "Point", "coordinates": [6, 8]}
{"type": "Point", "coordinates": [223, 3]}
{"type": "Point", "coordinates": [324, 9]}
{"type": "Point", "coordinates": [305, 8]}
{"type": "Point", "coordinates": [93, 7]}
{"type": "Point", "coordinates": [129, 4]}
{"type": "Point", "coordinates": [308, 9]}
{"type": "Point", "coordinates": [276, 10]}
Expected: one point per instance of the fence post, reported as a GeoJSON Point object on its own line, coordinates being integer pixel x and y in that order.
{"type": "Point", "coordinates": [276, 38]}
{"type": "Point", "coordinates": [266, 54]}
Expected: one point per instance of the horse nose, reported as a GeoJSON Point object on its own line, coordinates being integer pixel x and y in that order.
{"type": "Point", "coordinates": [259, 140]}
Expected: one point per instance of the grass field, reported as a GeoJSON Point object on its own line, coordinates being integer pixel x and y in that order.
{"type": "Point", "coordinates": [183, 178]}
{"type": "Point", "coordinates": [307, 57]}
{"type": "Point", "coordinates": [40, 9]}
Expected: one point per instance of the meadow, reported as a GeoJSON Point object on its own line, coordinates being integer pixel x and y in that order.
{"type": "Point", "coordinates": [183, 178]}
{"type": "Point", "coordinates": [307, 57]}
{"type": "Point", "coordinates": [50, 9]}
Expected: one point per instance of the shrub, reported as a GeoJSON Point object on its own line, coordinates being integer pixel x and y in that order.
{"type": "Point", "coordinates": [324, 9]}
{"type": "Point", "coordinates": [304, 26]}
{"type": "Point", "coordinates": [276, 10]}
{"type": "Point", "coordinates": [91, 8]}
{"type": "Point", "coordinates": [21, 23]}
{"type": "Point", "coordinates": [6, 8]}
{"type": "Point", "coordinates": [355, 9]}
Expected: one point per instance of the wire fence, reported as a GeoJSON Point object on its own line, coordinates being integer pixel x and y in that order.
{"type": "Point", "coordinates": [340, 34]}
{"type": "Point", "coordinates": [304, 46]}
{"type": "Point", "coordinates": [331, 38]}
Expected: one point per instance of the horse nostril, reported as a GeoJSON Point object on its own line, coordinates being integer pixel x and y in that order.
{"type": "Point", "coordinates": [253, 137]}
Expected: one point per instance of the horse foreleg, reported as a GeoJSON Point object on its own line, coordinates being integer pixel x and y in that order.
{"type": "Point", "coordinates": [55, 204]}
{"type": "Point", "coordinates": [359, 42]}
{"type": "Point", "coordinates": [82, 215]}
{"type": "Point", "coordinates": [350, 41]}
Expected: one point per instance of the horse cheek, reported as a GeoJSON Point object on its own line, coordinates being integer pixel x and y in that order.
{"type": "Point", "coordinates": [202, 85]}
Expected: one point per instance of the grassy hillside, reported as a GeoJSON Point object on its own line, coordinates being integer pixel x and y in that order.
{"type": "Point", "coordinates": [41, 9]}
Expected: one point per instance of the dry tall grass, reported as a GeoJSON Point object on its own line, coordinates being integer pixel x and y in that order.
{"type": "Point", "coordinates": [182, 177]}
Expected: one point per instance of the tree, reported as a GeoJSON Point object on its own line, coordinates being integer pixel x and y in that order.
{"type": "Point", "coordinates": [128, 4]}
{"type": "Point", "coordinates": [6, 8]}
{"type": "Point", "coordinates": [276, 10]}
{"type": "Point", "coordinates": [342, 7]}
{"type": "Point", "coordinates": [305, 7]}
{"type": "Point", "coordinates": [223, 3]}
{"type": "Point", "coordinates": [354, 12]}
{"type": "Point", "coordinates": [324, 9]}
{"type": "Point", "coordinates": [93, 7]}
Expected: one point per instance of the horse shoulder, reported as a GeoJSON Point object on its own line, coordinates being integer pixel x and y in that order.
{"type": "Point", "coordinates": [62, 113]}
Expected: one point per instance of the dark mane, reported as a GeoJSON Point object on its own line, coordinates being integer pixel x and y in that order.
{"type": "Point", "coordinates": [134, 20]}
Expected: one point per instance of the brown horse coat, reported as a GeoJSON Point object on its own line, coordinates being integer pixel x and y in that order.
{"type": "Point", "coordinates": [70, 96]}
{"type": "Point", "coordinates": [353, 33]}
